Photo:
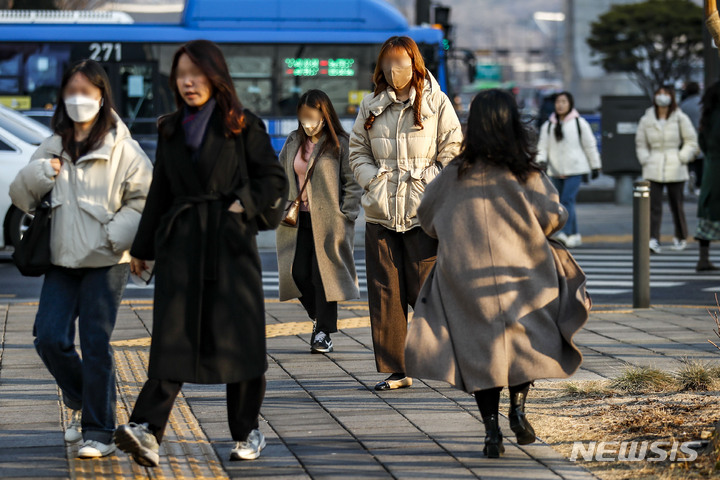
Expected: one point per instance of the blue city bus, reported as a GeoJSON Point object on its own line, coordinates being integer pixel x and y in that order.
{"type": "Point", "coordinates": [275, 49]}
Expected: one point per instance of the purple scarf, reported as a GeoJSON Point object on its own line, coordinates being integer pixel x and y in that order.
{"type": "Point", "coordinates": [195, 122]}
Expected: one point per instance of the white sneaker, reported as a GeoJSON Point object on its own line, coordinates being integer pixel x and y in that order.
{"type": "Point", "coordinates": [73, 434]}
{"type": "Point", "coordinates": [679, 245]}
{"type": "Point", "coordinates": [574, 241]}
{"type": "Point", "coordinates": [95, 449]}
{"type": "Point", "coordinates": [249, 449]}
{"type": "Point", "coordinates": [562, 238]}
{"type": "Point", "coordinates": [655, 246]}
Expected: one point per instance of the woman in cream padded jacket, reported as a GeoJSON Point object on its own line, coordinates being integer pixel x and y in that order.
{"type": "Point", "coordinates": [404, 134]}
{"type": "Point", "coordinates": [665, 143]}
{"type": "Point", "coordinates": [101, 195]}
{"type": "Point", "coordinates": [98, 179]}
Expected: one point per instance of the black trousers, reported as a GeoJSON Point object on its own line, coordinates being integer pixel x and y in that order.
{"type": "Point", "coordinates": [676, 199]}
{"type": "Point", "coordinates": [157, 397]}
{"type": "Point", "coordinates": [397, 264]}
{"type": "Point", "coordinates": [488, 400]}
{"type": "Point", "coordinates": [306, 274]}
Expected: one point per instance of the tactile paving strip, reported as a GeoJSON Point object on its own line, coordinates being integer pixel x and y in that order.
{"type": "Point", "coordinates": [271, 331]}
{"type": "Point", "coordinates": [185, 451]}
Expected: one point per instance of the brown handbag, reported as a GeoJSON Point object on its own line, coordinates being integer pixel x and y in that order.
{"type": "Point", "coordinates": [292, 212]}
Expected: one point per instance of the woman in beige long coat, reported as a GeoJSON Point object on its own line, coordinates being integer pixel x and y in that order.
{"type": "Point", "coordinates": [315, 258]}
{"type": "Point", "coordinates": [503, 302]}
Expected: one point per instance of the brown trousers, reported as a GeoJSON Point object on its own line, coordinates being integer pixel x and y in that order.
{"type": "Point", "coordinates": [397, 265]}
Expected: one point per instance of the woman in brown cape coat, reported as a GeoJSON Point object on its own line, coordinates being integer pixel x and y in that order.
{"type": "Point", "coordinates": [502, 304]}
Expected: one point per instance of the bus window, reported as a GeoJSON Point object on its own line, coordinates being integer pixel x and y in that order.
{"type": "Point", "coordinates": [251, 68]}
{"type": "Point", "coordinates": [255, 94]}
{"type": "Point", "coordinates": [33, 70]}
{"type": "Point", "coordinates": [136, 96]}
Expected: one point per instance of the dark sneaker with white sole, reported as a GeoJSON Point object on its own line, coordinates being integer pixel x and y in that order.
{"type": "Point", "coordinates": [139, 442]}
{"type": "Point", "coordinates": [321, 343]}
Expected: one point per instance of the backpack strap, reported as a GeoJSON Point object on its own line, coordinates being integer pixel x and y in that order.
{"type": "Point", "coordinates": [577, 121]}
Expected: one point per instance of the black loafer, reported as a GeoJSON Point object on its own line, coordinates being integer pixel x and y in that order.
{"type": "Point", "coordinates": [394, 384]}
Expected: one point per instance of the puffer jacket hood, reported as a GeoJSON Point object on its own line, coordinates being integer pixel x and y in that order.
{"type": "Point", "coordinates": [395, 159]}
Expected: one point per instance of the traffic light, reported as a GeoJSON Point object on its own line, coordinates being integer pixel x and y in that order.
{"type": "Point", "coordinates": [442, 20]}
{"type": "Point", "coordinates": [442, 16]}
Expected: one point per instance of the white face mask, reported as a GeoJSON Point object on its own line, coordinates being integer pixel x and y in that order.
{"type": "Point", "coordinates": [312, 129]}
{"type": "Point", "coordinates": [663, 100]}
{"type": "Point", "coordinates": [82, 109]}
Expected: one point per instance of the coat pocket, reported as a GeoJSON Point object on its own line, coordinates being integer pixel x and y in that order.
{"type": "Point", "coordinates": [416, 190]}
{"type": "Point", "coordinates": [375, 199]}
{"type": "Point", "coordinates": [94, 225]}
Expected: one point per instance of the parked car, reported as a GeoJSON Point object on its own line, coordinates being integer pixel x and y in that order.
{"type": "Point", "coordinates": [19, 138]}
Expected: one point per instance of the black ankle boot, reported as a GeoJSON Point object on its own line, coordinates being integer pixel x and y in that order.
{"type": "Point", "coordinates": [493, 437]}
{"type": "Point", "coordinates": [519, 423]}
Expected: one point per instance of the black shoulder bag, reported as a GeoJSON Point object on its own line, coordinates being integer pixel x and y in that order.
{"type": "Point", "coordinates": [32, 254]}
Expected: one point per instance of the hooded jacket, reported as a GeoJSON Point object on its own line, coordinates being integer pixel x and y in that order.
{"type": "Point", "coordinates": [96, 201]}
{"type": "Point", "coordinates": [664, 150]}
{"type": "Point", "coordinates": [395, 160]}
{"type": "Point", "coordinates": [575, 154]}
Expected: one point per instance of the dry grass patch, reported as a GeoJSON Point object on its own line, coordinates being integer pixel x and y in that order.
{"type": "Point", "coordinates": [641, 404]}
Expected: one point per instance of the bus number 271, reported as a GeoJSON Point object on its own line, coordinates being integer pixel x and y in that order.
{"type": "Point", "coordinates": [102, 52]}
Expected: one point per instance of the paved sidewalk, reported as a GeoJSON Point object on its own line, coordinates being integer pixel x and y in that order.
{"type": "Point", "coordinates": [321, 417]}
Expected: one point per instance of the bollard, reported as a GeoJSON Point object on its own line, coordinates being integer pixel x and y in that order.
{"type": "Point", "coordinates": [641, 242]}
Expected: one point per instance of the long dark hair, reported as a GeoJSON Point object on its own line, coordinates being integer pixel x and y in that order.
{"type": "Point", "coordinates": [62, 124]}
{"type": "Point", "coordinates": [332, 127]}
{"type": "Point", "coordinates": [673, 101]}
{"type": "Point", "coordinates": [408, 45]}
{"type": "Point", "coordinates": [497, 136]}
{"type": "Point", "coordinates": [210, 60]}
{"type": "Point", "coordinates": [558, 127]}
{"type": "Point", "coordinates": [710, 104]}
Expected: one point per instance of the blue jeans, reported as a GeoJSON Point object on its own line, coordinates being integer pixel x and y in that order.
{"type": "Point", "coordinates": [568, 188]}
{"type": "Point", "coordinates": [91, 295]}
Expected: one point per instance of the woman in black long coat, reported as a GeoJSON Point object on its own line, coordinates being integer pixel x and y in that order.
{"type": "Point", "coordinates": [199, 226]}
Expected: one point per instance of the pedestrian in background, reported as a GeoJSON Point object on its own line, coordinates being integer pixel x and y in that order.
{"type": "Point", "coordinates": [692, 107]}
{"type": "Point", "coordinates": [665, 143]}
{"type": "Point", "coordinates": [315, 257]}
{"type": "Point", "coordinates": [708, 228]}
{"type": "Point", "coordinates": [405, 132]}
{"type": "Point", "coordinates": [567, 147]}
{"type": "Point", "coordinates": [98, 178]}
{"type": "Point", "coordinates": [502, 304]}
{"type": "Point", "coordinates": [199, 227]}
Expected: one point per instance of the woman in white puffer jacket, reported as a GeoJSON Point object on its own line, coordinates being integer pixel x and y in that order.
{"type": "Point", "coordinates": [568, 149]}
{"type": "Point", "coordinates": [98, 178]}
{"type": "Point", "coordinates": [665, 143]}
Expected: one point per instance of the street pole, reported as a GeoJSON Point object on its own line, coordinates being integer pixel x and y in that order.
{"type": "Point", "coordinates": [641, 241]}
{"type": "Point", "coordinates": [422, 12]}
